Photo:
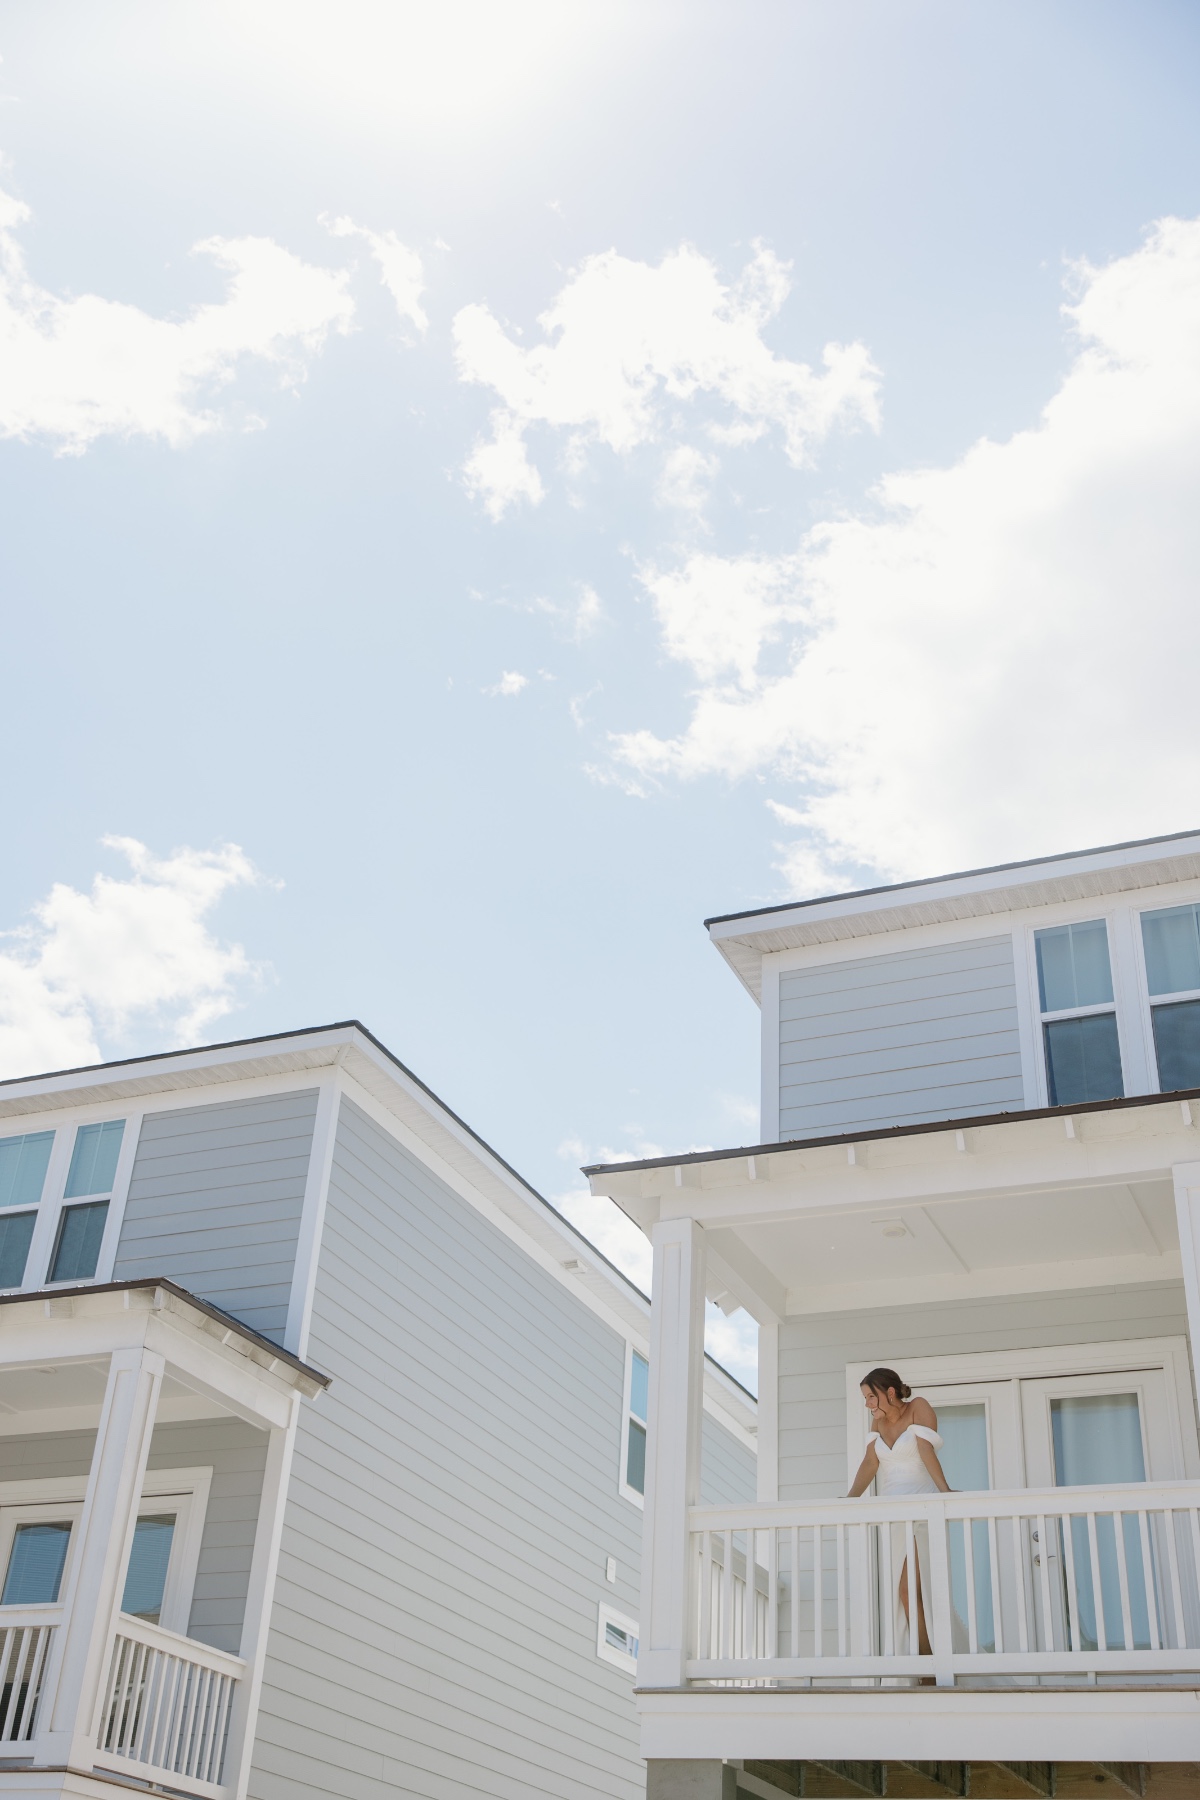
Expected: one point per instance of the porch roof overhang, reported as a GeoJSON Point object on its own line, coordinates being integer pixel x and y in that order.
{"type": "Point", "coordinates": [744, 938]}
{"type": "Point", "coordinates": [1011, 1202]}
{"type": "Point", "coordinates": [225, 1365]}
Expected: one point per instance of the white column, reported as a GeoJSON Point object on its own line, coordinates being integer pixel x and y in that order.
{"type": "Point", "coordinates": [264, 1566]}
{"type": "Point", "coordinates": [1187, 1215]}
{"type": "Point", "coordinates": [99, 1555]}
{"type": "Point", "coordinates": [768, 1412]}
{"type": "Point", "coordinates": [672, 1448]}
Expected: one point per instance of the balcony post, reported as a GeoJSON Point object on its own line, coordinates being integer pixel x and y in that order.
{"type": "Point", "coordinates": [92, 1595]}
{"type": "Point", "coordinates": [672, 1449]}
{"type": "Point", "coordinates": [1187, 1215]}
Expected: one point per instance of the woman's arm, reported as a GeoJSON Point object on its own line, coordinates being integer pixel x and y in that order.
{"type": "Point", "coordinates": [866, 1474]}
{"type": "Point", "coordinates": [929, 1457]}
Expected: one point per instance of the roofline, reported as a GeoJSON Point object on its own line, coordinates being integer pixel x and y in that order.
{"type": "Point", "coordinates": [899, 887]}
{"type": "Point", "coordinates": [887, 1132]}
{"type": "Point", "coordinates": [277, 1037]}
{"type": "Point", "coordinates": [217, 1313]}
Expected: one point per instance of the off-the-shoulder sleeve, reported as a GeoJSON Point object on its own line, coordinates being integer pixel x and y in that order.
{"type": "Point", "coordinates": [873, 1438]}
{"type": "Point", "coordinates": [931, 1437]}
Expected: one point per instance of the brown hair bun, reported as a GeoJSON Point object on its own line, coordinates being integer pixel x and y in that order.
{"type": "Point", "coordinates": [880, 1381]}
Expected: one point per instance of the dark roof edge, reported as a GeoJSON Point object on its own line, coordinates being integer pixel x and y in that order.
{"type": "Point", "coordinates": [898, 887]}
{"type": "Point", "coordinates": [885, 1132]}
{"type": "Point", "coordinates": [277, 1037]}
{"type": "Point", "coordinates": [228, 1319]}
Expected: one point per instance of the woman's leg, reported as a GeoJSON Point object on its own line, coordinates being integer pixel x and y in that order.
{"type": "Point", "coordinates": [924, 1648]}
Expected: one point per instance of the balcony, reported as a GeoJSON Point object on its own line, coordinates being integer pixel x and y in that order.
{"type": "Point", "coordinates": [1083, 1585]}
{"type": "Point", "coordinates": [106, 1668]}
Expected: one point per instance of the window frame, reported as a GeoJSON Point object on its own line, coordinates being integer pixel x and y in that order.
{"type": "Point", "coordinates": [1128, 984]}
{"type": "Point", "coordinates": [58, 1498]}
{"type": "Point", "coordinates": [49, 1210]}
{"type": "Point", "coordinates": [1150, 1001]}
{"type": "Point", "coordinates": [608, 1615]}
{"type": "Point", "coordinates": [627, 1416]}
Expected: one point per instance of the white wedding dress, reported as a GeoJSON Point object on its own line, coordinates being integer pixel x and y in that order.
{"type": "Point", "coordinates": [901, 1471]}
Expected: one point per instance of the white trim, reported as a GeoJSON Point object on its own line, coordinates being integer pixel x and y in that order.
{"type": "Point", "coordinates": [605, 1616]}
{"type": "Point", "coordinates": [54, 1203]}
{"type": "Point", "coordinates": [312, 1217]}
{"type": "Point", "coordinates": [770, 1027]}
{"type": "Point", "coordinates": [260, 1595]}
{"type": "Point", "coordinates": [1029, 1029]}
{"type": "Point", "coordinates": [768, 1412]}
{"type": "Point", "coordinates": [1116, 1356]}
{"type": "Point", "coordinates": [627, 1415]}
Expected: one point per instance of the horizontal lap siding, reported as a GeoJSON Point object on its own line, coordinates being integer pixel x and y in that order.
{"type": "Point", "coordinates": [728, 1471]}
{"type": "Point", "coordinates": [814, 1353]}
{"type": "Point", "coordinates": [215, 1202]}
{"type": "Point", "coordinates": [897, 1039]}
{"type": "Point", "coordinates": [236, 1454]}
{"type": "Point", "coordinates": [452, 1503]}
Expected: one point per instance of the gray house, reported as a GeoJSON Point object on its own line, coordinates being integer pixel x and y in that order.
{"type": "Point", "coordinates": [322, 1443]}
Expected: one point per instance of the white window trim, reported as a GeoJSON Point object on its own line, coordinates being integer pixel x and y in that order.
{"type": "Point", "coordinates": [623, 1488]}
{"type": "Point", "coordinates": [1116, 1356]}
{"type": "Point", "coordinates": [62, 1496]}
{"type": "Point", "coordinates": [605, 1616]}
{"type": "Point", "coordinates": [1120, 925]}
{"type": "Point", "coordinates": [49, 1209]}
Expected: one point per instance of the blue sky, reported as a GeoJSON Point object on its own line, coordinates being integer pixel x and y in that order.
{"type": "Point", "coordinates": [611, 464]}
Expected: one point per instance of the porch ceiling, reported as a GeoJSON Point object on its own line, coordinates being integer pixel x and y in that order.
{"type": "Point", "coordinates": [1069, 1237]}
{"type": "Point", "coordinates": [67, 1396]}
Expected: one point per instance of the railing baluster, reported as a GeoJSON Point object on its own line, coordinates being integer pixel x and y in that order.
{"type": "Point", "coordinates": [890, 1598]}
{"type": "Point", "coordinates": [1156, 1636]}
{"type": "Point", "coordinates": [912, 1570]}
{"type": "Point", "coordinates": [1022, 1586]}
{"type": "Point", "coordinates": [704, 1640]}
{"type": "Point", "coordinates": [994, 1571]}
{"type": "Point", "coordinates": [1118, 1519]}
{"type": "Point", "coordinates": [772, 1645]}
{"type": "Point", "coordinates": [968, 1526]}
{"type": "Point", "coordinates": [727, 1594]}
{"type": "Point", "coordinates": [1043, 1563]}
{"type": "Point", "coordinates": [1074, 1639]}
{"type": "Point", "coordinates": [1176, 1587]}
{"type": "Point", "coordinates": [1097, 1594]}
{"type": "Point", "coordinates": [11, 1652]}
{"type": "Point", "coordinates": [818, 1591]}
{"type": "Point", "coordinates": [794, 1597]}
{"type": "Point", "coordinates": [33, 1688]}
{"type": "Point", "coordinates": [843, 1648]}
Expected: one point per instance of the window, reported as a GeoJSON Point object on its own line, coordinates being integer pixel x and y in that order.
{"type": "Point", "coordinates": [35, 1563]}
{"type": "Point", "coordinates": [633, 1468]}
{"type": "Point", "coordinates": [23, 1164]}
{"type": "Point", "coordinates": [1079, 1020]}
{"type": "Point", "coordinates": [617, 1639]}
{"type": "Point", "coordinates": [149, 1559]}
{"type": "Point", "coordinates": [81, 1228]}
{"type": "Point", "coordinates": [1171, 939]}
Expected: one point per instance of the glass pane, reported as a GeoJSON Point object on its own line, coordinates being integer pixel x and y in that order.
{"type": "Point", "coordinates": [94, 1158]}
{"type": "Point", "coordinates": [1177, 1044]}
{"type": "Point", "coordinates": [1073, 966]}
{"type": "Point", "coordinates": [35, 1566]}
{"type": "Point", "coordinates": [964, 1457]}
{"type": "Point", "coordinates": [635, 1460]}
{"type": "Point", "coordinates": [80, 1232]}
{"type": "Point", "coordinates": [1172, 940]}
{"type": "Point", "coordinates": [639, 1388]}
{"type": "Point", "coordinates": [1098, 1441]}
{"type": "Point", "coordinates": [15, 1233]}
{"type": "Point", "coordinates": [1083, 1060]}
{"type": "Point", "coordinates": [147, 1574]}
{"type": "Point", "coordinates": [23, 1168]}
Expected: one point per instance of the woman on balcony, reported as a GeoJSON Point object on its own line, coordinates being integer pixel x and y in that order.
{"type": "Point", "coordinates": [902, 1458]}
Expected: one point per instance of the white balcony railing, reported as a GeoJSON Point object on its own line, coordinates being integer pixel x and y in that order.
{"type": "Point", "coordinates": [166, 1708]}
{"type": "Point", "coordinates": [1060, 1583]}
{"type": "Point", "coordinates": [26, 1634]}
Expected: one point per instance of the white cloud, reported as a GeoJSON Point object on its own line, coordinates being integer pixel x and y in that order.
{"type": "Point", "coordinates": [131, 951]}
{"type": "Point", "coordinates": [400, 269]}
{"type": "Point", "coordinates": [511, 682]}
{"type": "Point", "coordinates": [628, 342]}
{"type": "Point", "coordinates": [733, 1341]}
{"type": "Point", "coordinates": [687, 476]}
{"type": "Point", "coordinates": [73, 370]}
{"type": "Point", "coordinates": [615, 1236]}
{"type": "Point", "coordinates": [999, 657]}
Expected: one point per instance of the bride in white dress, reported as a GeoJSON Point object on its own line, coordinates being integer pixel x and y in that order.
{"type": "Point", "coordinates": [902, 1459]}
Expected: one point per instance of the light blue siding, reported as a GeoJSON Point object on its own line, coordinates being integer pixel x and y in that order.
{"type": "Point", "coordinates": [900, 1039]}
{"type": "Point", "coordinates": [215, 1201]}
{"type": "Point", "coordinates": [728, 1471]}
{"type": "Point", "coordinates": [453, 1501]}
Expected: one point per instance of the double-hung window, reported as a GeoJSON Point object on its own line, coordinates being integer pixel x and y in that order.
{"type": "Point", "coordinates": [1079, 1019]}
{"type": "Point", "coordinates": [1171, 940]}
{"type": "Point", "coordinates": [633, 1457]}
{"type": "Point", "coordinates": [85, 1201]}
{"type": "Point", "coordinates": [23, 1164]}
